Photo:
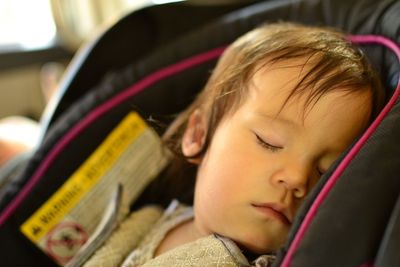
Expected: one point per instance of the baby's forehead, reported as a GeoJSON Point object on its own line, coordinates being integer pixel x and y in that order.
{"type": "Point", "coordinates": [294, 83]}
{"type": "Point", "coordinates": [283, 76]}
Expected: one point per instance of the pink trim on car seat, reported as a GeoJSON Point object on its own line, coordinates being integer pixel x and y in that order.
{"type": "Point", "coordinates": [368, 264]}
{"type": "Point", "coordinates": [359, 39]}
{"type": "Point", "coordinates": [97, 113]}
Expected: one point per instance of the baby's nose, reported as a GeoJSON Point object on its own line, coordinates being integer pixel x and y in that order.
{"type": "Point", "coordinates": [295, 180]}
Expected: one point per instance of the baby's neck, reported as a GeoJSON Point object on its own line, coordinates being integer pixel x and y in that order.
{"type": "Point", "coordinates": [181, 234]}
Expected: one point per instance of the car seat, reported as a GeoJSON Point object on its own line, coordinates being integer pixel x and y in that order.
{"type": "Point", "coordinates": [352, 216]}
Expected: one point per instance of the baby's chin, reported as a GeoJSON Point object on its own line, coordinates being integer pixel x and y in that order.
{"type": "Point", "coordinates": [261, 246]}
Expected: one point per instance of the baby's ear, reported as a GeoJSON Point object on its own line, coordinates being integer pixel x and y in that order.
{"type": "Point", "coordinates": [194, 137]}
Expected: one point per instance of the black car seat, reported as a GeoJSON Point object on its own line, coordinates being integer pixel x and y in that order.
{"type": "Point", "coordinates": [350, 219]}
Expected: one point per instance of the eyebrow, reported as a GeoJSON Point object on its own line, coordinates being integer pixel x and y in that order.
{"type": "Point", "coordinates": [277, 118]}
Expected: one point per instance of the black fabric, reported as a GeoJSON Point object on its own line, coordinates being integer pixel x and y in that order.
{"type": "Point", "coordinates": [131, 39]}
{"type": "Point", "coordinates": [335, 224]}
{"type": "Point", "coordinates": [388, 254]}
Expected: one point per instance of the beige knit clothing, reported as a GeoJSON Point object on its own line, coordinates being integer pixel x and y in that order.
{"type": "Point", "coordinates": [213, 250]}
{"type": "Point", "coordinates": [125, 238]}
{"type": "Point", "coordinates": [135, 241]}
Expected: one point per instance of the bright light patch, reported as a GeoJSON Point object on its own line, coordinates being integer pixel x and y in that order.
{"type": "Point", "coordinates": [26, 24]}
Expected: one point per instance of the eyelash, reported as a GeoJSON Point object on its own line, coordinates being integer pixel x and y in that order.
{"type": "Point", "coordinates": [266, 145]}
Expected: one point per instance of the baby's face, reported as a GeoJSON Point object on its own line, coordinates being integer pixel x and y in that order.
{"type": "Point", "coordinates": [259, 166]}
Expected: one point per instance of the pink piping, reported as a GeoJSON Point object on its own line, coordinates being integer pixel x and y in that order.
{"type": "Point", "coordinates": [361, 39]}
{"type": "Point", "coordinates": [96, 114]}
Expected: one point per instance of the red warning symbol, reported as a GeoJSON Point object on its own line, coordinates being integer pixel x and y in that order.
{"type": "Point", "coordinates": [64, 241]}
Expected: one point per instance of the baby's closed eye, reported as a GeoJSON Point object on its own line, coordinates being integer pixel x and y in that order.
{"type": "Point", "coordinates": [267, 144]}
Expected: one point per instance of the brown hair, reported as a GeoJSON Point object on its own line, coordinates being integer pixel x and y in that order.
{"type": "Point", "coordinates": [333, 63]}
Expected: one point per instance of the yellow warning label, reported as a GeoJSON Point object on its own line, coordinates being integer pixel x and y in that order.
{"type": "Point", "coordinates": [84, 178]}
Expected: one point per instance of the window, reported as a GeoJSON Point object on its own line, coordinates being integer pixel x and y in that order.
{"type": "Point", "coordinates": [26, 25]}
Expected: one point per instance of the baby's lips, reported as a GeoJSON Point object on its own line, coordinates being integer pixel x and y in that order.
{"type": "Point", "coordinates": [281, 209]}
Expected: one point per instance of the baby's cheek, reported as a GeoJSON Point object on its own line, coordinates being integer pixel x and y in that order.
{"type": "Point", "coordinates": [212, 200]}
{"type": "Point", "coordinates": [212, 194]}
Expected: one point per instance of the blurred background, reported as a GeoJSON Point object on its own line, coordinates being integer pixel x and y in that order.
{"type": "Point", "coordinates": [38, 39]}
{"type": "Point", "coordinates": [37, 42]}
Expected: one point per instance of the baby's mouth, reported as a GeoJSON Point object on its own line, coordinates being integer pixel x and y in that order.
{"type": "Point", "coordinates": [277, 211]}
